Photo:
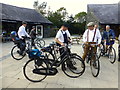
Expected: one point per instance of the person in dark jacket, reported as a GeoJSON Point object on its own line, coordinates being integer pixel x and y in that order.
{"type": "Point", "coordinates": [33, 35]}
{"type": "Point", "coordinates": [108, 37]}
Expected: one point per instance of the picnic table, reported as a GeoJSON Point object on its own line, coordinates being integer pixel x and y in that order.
{"type": "Point", "coordinates": [77, 39]}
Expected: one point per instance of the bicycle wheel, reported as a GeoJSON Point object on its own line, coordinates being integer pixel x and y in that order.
{"type": "Point", "coordinates": [76, 62]}
{"type": "Point", "coordinates": [112, 55]}
{"type": "Point", "coordinates": [40, 43]}
{"type": "Point", "coordinates": [95, 66]}
{"type": "Point", "coordinates": [99, 51]}
{"type": "Point", "coordinates": [35, 70]}
{"type": "Point", "coordinates": [15, 53]}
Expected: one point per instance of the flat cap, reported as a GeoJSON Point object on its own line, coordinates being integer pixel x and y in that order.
{"type": "Point", "coordinates": [90, 24]}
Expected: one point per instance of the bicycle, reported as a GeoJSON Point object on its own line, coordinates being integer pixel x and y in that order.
{"type": "Point", "coordinates": [93, 59]}
{"type": "Point", "coordinates": [46, 67]}
{"type": "Point", "coordinates": [39, 42]}
{"type": "Point", "coordinates": [111, 54]}
{"type": "Point", "coordinates": [16, 49]}
{"type": "Point", "coordinates": [53, 50]}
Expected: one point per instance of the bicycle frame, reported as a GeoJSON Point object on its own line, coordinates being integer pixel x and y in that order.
{"type": "Point", "coordinates": [91, 52]}
{"type": "Point", "coordinates": [66, 53]}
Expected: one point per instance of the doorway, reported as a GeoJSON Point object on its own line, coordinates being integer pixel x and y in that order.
{"type": "Point", "coordinates": [39, 31]}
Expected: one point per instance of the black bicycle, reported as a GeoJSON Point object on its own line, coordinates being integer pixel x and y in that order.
{"type": "Point", "coordinates": [36, 70]}
{"type": "Point", "coordinates": [111, 54]}
{"type": "Point", "coordinates": [15, 52]}
{"type": "Point", "coordinates": [93, 58]}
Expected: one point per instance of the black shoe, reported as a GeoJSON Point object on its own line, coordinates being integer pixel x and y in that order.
{"type": "Point", "coordinates": [95, 65]}
{"type": "Point", "coordinates": [72, 67]}
{"type": "Point", "coordinates": [19, 52]}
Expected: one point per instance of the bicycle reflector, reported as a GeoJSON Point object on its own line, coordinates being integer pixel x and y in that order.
{"type": "Point", "coordinates": [35, 53]}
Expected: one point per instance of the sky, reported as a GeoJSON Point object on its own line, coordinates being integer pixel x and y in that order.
{"type": "Point", "coordinates": [73, 6]}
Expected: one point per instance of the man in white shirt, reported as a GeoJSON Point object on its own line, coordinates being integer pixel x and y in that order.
{"type": "Point", "coordinates": [22, 34]}
{"type": "Point", "coordinates": [62, 38]}
{"type": "Point", "coordinates": [91, 35]}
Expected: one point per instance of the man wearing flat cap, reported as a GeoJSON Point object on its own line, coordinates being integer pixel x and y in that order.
{"type": "Point", "coordinates": [91, 35]}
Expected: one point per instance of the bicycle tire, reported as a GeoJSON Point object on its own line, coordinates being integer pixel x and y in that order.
{"type": "Point", "coordinates": [12, 54]}
{"type": "Point", "coordinates": [28, 78]}
{"type": "Point", "coordinates": [114, 56]}
{"type": "Point", "coordinates": [83, 63]}
{"type": "Point", "coordinates": [92, 65]}
{"type": "Point", "coordinates": [71, 76]}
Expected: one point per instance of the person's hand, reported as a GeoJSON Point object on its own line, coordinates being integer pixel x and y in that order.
{"type": "Point", "coordinates": [62, 44]}
{"type": "Point", "coordinates": [99, 45]}
{"type": "Point", "coordinates": [104, 40]}
{"type": "Point", "coordinates": [86, 43]}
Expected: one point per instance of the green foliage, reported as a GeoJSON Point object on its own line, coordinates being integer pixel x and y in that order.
{"type": "Point", "coordinates": [40, 7]}
{"type": "Point", "coordinates": [77, 23]}
{"type": "Point", "coordinates": [58, 17]}
{"type": "Point", "coordinates": [80, 17]}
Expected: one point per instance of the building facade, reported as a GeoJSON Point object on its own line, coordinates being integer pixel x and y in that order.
{"type": "Point", "coordinates": [105, 14]}
{"type": "Point", "coordinates": [12, 17]}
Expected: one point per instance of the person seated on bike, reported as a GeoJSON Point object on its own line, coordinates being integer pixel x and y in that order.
{"type": "Point", "coordinates": [33, 35]}
{"type": "Point", "coordinates": [91, 35]}
{"type": "Point", "coordinates": [108, 37]}
{"type": "Point", "coordinates": [62, 38]}
{"type": "Point", "coordinates": [22, 34]}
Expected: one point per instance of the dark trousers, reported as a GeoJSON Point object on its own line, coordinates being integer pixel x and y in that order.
{"type": "Point", "coordinates": [32, 41]}
{"type": "Point", "coordinates": [63, 53]}
{"type": "Point", "coordinates": [22, 46]}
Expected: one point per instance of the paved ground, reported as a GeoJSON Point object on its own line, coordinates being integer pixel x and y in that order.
{"type": "Point", "coordinates": [12, 73]}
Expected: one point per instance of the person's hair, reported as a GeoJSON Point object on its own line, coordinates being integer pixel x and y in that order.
{"type": "Point", "coordinates": [107, 25]}
{"type": "Point", "coordinates": [33, 27]}
{"type": "Point", "coordinates": [23, 22]}
{"type": "Point", "coordinates": [65, 25]}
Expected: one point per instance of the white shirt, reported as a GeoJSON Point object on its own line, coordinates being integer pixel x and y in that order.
{"type": "Point", "coordinates": [119, 39]}
{"type": "Point", "coordinates": [60, 36]}
{"type": "Point", "coordinates": [90, 36]}
{"type": "Point", "coordinates": [22, 32]}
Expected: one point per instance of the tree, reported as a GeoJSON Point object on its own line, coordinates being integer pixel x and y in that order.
{"type": "Point", "coordinates": [80, 17]}
{"type": "Point", "coordinates": [58, 17]}
{"type": "Point", "coordinates": [41, 8]}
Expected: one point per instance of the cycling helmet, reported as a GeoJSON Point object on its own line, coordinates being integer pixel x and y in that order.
{"type": "Point", "coordinates": [13, 33]}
